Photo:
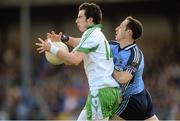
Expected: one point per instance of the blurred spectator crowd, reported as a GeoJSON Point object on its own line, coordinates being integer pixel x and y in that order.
{"type": "Point", "coordinates": [59, 92]}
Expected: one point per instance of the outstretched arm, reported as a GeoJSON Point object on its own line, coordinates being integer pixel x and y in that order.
{"type": "Point", "coordinates": [71, 58]}
{"type": "Point", "coordinates": [71, 41]}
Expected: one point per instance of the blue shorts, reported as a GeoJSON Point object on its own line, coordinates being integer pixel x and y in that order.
{"type": "Point", "coordinates": [136, 107]}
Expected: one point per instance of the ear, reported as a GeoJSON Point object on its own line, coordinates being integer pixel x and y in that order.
{"type": "Point", "coordinates": [90, 20]}
{"type": "Point", "coordinates": [130, 32]}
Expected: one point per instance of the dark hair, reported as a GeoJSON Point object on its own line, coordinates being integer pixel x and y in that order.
{"type": "Point", "coordinates": [135, 26]}
{"type": "Point", "coordinates": [92, 10]}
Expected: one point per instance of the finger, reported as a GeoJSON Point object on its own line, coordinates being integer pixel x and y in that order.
{"type": "Point", "coordinates": [40, 48]}
{"type": "Point", "coordinates": [41, 40]}
{"type": "Point", "coordinates": [53, 32]}
{"type": "Point", "coordinates": [48, 35]}
{"type": "Point", "coordinates": [41, 51]}
{"type": "Point", "coordinates": [39, 44]}
{"type": "Point", "coordinates": [60, 33]}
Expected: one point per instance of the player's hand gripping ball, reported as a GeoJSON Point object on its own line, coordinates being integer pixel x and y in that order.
{"type": "Point", "coordinates": [51, 58]}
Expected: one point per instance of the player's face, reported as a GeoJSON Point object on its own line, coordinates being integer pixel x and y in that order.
{"type": "Point", "coordinates": [121, 32]}
{"type": "Point", "coordinates": [81, 21]}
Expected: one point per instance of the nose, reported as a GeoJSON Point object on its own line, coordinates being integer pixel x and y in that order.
{"type": "Point", "coordinates": [76, 21]}
{"type": "Point", "coordinates": [116, 28]}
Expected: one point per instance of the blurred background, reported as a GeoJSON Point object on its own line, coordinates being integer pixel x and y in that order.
{"type": "Point", "coordinates": [31, 88]}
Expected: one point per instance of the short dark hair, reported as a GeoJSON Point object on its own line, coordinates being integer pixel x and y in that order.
{"type": "Point", "coordinates": [136, 27]}
{"type": "Point", "coordinates": [92, 10]}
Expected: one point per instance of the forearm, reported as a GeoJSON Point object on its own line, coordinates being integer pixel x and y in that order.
{"type": "Point", "coordinates": [70, 58]}
{"type": "Point", "coordinates": [73, 42]}
{"type": "Point", "coordinates": [122, 77]}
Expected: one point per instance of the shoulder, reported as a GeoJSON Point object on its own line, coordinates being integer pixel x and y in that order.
{"type": "Point", "coordinates": [135, 56]}
{"type": "Point", "coordinates": [113, 42]}
{"type": "Point", "coordinates": [90, 33]}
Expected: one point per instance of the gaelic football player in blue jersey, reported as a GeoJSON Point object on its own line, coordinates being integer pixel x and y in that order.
{"type": "Point", "coordinates": [128, 71]}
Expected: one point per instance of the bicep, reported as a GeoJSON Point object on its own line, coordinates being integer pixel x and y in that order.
{"type": "Point", "coordinates": [78, 57]}
{"type": "Point", "coordinates": [71, 58]}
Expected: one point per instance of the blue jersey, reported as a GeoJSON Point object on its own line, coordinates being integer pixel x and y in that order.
{"type": "Point", "coordinates": [130, 59]}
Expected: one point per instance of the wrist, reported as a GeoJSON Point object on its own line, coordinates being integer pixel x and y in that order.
{"type": "Point", "coordinates": [53, 48]}
{"type": "Point", "coordinates": [64, 38]}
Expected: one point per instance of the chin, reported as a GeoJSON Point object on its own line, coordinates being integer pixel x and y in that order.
{"type": "Point", "coordinates": [80, 30]}
{"type": "Point", "coordinates": [83, 30]}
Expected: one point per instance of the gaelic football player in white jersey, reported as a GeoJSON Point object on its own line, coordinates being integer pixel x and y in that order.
{"type": "Point", "coordinates": [94, 50]}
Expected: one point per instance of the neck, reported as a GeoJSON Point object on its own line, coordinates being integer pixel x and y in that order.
{"type": "Point", "coordinates": [125, 42]}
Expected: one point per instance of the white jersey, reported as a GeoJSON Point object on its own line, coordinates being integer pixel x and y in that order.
{"type": "Point", "coordinates": [98, 62]}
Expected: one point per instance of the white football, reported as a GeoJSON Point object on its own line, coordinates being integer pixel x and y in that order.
{"type": "Point", "coordinates": [51, 58]}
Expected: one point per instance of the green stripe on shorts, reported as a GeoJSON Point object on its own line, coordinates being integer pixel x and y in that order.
{"type": "Point", "coordinates": [103, 103]}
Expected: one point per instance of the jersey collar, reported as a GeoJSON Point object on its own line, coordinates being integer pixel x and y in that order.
{"type": "Point", "coordinates": [95, 26]}
{"type": "Point", "coordinates": [130, 46]}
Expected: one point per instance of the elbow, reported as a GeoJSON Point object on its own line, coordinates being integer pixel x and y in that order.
{"type": "Point", "coordinates": [75, 63]}
{"type": "Point", "coordinates": [67, 63]}
{"type": "Point", "coordinates": [71, 63]}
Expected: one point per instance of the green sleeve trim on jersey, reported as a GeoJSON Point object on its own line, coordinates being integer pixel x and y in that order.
{"type": "Point", "coordinates": [111, 55]}
{"type": "Point", "coordinates": [94, 48]}
{"type": "Point", "coordinates": [107, 51]}
{"type": "Point", "coordinates": [87, 50]}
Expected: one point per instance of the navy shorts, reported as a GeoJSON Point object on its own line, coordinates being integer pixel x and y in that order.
{"type": "Point", "coordinates": [136, 107]}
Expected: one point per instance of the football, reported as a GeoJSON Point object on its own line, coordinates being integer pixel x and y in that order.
{"type": "Point", "coordinates": [51, 58]}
